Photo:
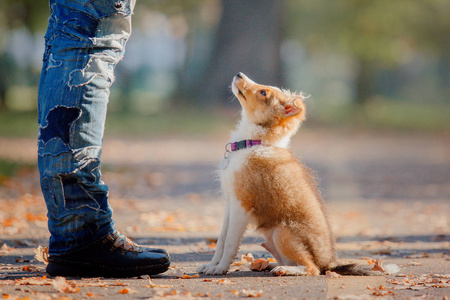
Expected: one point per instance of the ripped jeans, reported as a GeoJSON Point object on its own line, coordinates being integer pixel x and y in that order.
{"type": "Point", "coordinates": [85, 39]}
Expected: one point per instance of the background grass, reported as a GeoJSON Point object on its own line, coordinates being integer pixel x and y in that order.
{"type": "Point", "coordinates": [376, 115]}
{"type": "Point", "coordinates": [397, 116]}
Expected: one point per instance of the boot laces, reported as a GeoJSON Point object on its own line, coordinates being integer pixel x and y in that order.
{"type": "Point", "coordinates": [120, 241]}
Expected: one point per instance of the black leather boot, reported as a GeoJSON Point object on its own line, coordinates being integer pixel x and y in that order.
{"type": "Point", "coordinates": [114, 256]}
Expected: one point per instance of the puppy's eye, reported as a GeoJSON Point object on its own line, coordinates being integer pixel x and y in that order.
{"type": "Point", "coordinates": [263, 92]}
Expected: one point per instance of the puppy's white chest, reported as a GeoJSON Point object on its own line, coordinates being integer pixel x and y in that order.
{"type": "Point", "coordinates": [233, 164]}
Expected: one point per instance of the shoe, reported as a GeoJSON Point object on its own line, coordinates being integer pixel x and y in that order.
{"type": "Point", "coordinates": [114, 256]}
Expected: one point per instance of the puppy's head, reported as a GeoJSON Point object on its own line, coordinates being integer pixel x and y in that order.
{"type": "Point", "coordinates": [267, 106]}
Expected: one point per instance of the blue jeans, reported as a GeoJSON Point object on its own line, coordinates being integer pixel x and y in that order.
{"type": "Point", "coordinates": [84, 41]}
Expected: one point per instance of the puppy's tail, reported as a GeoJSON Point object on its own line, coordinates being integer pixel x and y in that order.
{"type": "Point", "coordinates": [356, 270]}
{"type": "Point", "coordinates": [366, 270]}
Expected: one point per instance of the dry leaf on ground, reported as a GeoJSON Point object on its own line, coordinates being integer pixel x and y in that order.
{"type": "Point", "coordinates": [41, 254]}
{"type": "Point", "coordinates": [225, 282]}
{"type": "Point", "coordinates": [378, 265]}
{"type": "Point", "coordinates": [245, 259]}
{"type": "Point", "coordinates": [260, 264]}
{"type": "Point", "coordinates": [251, 293]}
{"type": "Point", "coordinates": [128, 291]}
{"type": "Point", "coordinates": [63, 286]}
{"type": "Point", "coordinates": [153, 285]}
{"type": "Point", "coordinates": [180, 274]}
{"type": "Point", "coordinates": [33, 281]}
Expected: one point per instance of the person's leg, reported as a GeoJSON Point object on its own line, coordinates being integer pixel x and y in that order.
{"type": "Point", "coordinates": [84, 41]}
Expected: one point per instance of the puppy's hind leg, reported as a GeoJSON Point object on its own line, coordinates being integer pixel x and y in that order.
{"type": "Point", "coordinates": [220, 242]}
{"type": "Point", "coordinates": [238, 222]}
{"type": "Point", "coordinates": [295, 257]}
{"type": "Point", "coordinates": [270, 246]}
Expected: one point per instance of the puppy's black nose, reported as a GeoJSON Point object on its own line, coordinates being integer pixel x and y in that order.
{"type": "Point", "coordinates": [239, 75]}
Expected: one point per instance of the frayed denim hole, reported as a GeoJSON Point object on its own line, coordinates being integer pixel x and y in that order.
{"type": "Point", "coordinates": [59, 120]}
{"type": "Point", "coordinates": [75, 195]}
{"type": "Point", "coordinates": [101, 9]}
{"type": "Point", "coordinates": [53, 63]}
{"type": "Point", "coordinates": [97, 67]}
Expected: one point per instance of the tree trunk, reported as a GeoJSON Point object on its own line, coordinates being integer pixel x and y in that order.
{"type": "Point", "coordinates": [365, 82]}
{"type": "Point", "coordinates": [248, 40]}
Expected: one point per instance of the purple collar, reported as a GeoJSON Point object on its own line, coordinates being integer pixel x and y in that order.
{"type": "Point", "coordinates": [244, 144]}
{"type": "Point", "coordinates": [237, 146]}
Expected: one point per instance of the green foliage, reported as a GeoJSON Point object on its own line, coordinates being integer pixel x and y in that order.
{"type": "Point", "coordinates": [32, 14]}
{"type": "Point", "coordinates": [14, 123]}
{"type": "Point", "coordinates": [383, 114]}
{"type": "Point", "coordinates": [379, 31]}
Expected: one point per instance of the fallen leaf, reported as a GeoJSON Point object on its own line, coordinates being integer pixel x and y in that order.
{"type": "Point", "coordinates": [252, 293]}
{"type": "Point", "coordinates": [225, 282]}
{"type": "Point", "coordinates": [245, 259]}
{"type": "Point", "coordinates": [33, 281]}
{"type": "Point", "coordinates": [41, 254]}
{"type": "Point", "coordinates": [180, 274]}
{"type": "Point", "coordinates": [153, 285]}
{"type": "Point", "coordinates": [378, 266]}
{"type": "Point", "coordinates": [260, 264]}
{"type": "Point", "coordinates": [63, 286]}
{"type": "Point", "coordinates": [128, 291]}
{"type": "Point", "coordinates": [5, 249]}
{"type": "Point", "coordinates": [185, 276]}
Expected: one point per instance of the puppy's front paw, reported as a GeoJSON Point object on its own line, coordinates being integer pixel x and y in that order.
{"type": "Point", "coordinates": [289, 270]}
{"type": "Point", "coordinates": [204, 267]}
{"type": "Point", "coordinates": [215, 270]}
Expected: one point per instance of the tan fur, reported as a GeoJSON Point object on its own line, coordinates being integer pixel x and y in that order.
{"type": "Point", "coordinates": [266, 185]}
{"type": "Point", "coordinates": [280, 193]}
{"type": "Point", "coordinates": [277, 189]}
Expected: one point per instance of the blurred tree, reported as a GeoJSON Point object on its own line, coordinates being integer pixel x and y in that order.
{"type": "Point", "coordinates": [247, 39]}
{"type": "Point", "coordinates": [377, 34]}
{"type": "Point", "coordinates": [31, 14]}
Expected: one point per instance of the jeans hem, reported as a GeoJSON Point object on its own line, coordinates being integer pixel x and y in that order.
{"type": "Point", "coordinates": [53, 252]}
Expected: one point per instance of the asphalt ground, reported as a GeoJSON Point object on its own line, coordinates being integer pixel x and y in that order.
{"type": "Point", "coordinates": [387, 196]}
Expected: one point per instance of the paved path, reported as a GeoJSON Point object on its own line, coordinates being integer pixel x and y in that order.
{"type": "Point", "coordinates": [387, 194]}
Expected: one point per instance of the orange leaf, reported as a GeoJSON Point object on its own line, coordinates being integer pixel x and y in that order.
{"type": "Point", "coordinates": [124, 291]}
{"type": "Point", "coordinates": [378, 266]}
{"type": "Point", "coordinates": [260, 264]}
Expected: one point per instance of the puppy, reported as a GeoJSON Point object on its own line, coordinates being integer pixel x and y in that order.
{"type": "Point", "coordinates": [265, 185]}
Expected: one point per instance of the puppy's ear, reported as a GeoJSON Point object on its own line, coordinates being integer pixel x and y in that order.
{"type": "Point", "coordinates": [294, 107]}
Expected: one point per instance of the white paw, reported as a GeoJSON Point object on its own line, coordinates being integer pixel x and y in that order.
{"type": "Point", "coordinates": [216, 270]}
{"type": "Point", "coordinates": [202, 268]}
{"type": "Point", "coordinates": [288, 270]}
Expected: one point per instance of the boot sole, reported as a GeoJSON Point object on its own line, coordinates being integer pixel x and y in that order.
{"type": "Point", "coordinates": [93, 270]}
